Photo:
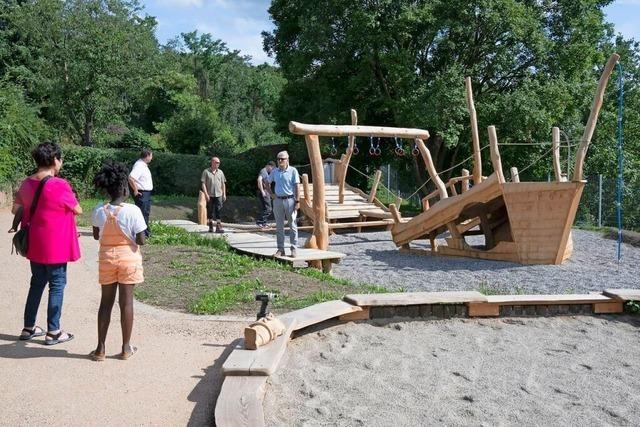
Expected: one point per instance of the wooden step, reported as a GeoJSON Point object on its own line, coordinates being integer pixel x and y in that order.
{"type": "Point", "coordinates": [414, 298]}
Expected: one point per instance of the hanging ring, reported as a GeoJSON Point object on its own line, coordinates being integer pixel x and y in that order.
{"type": "Point", "coordinates": [377, 151]}
{"type": "Point", "coordinates": [333, 151]}
{"type": "Point", "coordinates": [372, 151]}
{"type": "Point", "coordinates": [399, 151]}
{"type": "Point", "coordinates": [415, 151]}
{"type": "Point", "coordinates": [356, 150]}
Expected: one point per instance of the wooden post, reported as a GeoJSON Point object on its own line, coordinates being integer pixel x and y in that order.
{"type": "Point", "coordinates": [345, 159]}
{"type": "Point", "coordinates": [395, 214]}
{"type": "Point", "coordinates": [593, 117]}
{"type": "Point", "coordinates": [320, 227]}
{"type": "Point", "coordinates": [495, 154]}
{"type": "Point", "coordinates": [475, 139]}
{"type": "Point", "coordinates": [428, 161]}
{"type": "Point", "coordinates": [452, 187]}
{"type": "Point", "coordinates": [425, 204]}
{"type": "Point", "coordinates": [202, 208]}
{"type": "Point", "coordinates": [465, 182]}
{"type": "Point", "coordinates": [399, 202]}
{"type": "Point", "coordinates": [555, 140]}
{"type": "Point", "coordinates": [514, 174]}
{"type": "Point", "coordinates": [374, 186]}
{"type": "Point", "coordinates": [305, 189]}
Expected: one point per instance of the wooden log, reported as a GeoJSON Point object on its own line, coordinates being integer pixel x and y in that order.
{"type": "Point", "coordinates": [452, 186]}
{"type": "Point", "coordinates": [425, 204]}
{"type": "Point", "coordinates": [374, 186]}
{"type": "Point", "coordinates": [593, 117]}
{"type": "Point", "coordinates": [305, 189]}
{"type": "Point", "coordinates": [475, 139]}
{"type": "Point", "coordinates": [347, 130]}
{"type": "Point", "coordinates": [320, 230]}
{"type": "Point", "coordinates": [465, 181]}
{"type": "Point", "coordinates": [395, 214]}
{"type": "Point", "coordinates": [428, 161]}
{"type": "Point", "coordinates": [202, 208]}
{"type": "Point", "coordinates": [346, 158]}
{"type": "Point", "coordinates": [398, 202]}
{"type": "Point", "coordinates": [495, 153]}
{"type": "Point", "coordinates": [555, 141]}
{"type": "Point", "coordinates": [515, 177]}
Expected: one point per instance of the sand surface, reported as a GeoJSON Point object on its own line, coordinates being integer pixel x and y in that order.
{"type": "Point", "coordinates": [174, 380]}
{"type": "Point", "coordinates": [579, 370]}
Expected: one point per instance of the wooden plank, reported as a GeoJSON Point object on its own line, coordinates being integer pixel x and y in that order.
{"type": "Point", "coordinates": [240, 402]}
{"type": "Point", "coordinates": [255, 244]}
{"type": "Point", "coordinates": [483, 310]}
{"type": "Point", "coordinates": [414, 298]}
{"type": "Point", "coordinates": [319, 313]}
{"type": "Point", "coordinates": [608, 307]}
{"type": "Point", "coordinates": [547, 299]}
{"type": "Point", "coordinates": [623, 294]}
{"type": "Point", "coordinates": [356, 315]}
{"type": "Point", "coordinates": [239, 361]}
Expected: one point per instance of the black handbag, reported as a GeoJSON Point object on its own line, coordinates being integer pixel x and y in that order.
{"type": "Point", "coordinates": [20, 241]}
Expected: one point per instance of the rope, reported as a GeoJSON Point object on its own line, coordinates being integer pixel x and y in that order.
{"type": "Point", "coordinates": [535, 161]}
{"type": "Point", "coordinates": [620, 180]}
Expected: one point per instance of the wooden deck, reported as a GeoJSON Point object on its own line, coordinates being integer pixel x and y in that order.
{"type": "Point", "coordinates": [263, 246]}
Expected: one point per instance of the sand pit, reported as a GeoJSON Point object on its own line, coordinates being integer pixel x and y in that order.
{"type": "Point", "coordinates": [578, 370]}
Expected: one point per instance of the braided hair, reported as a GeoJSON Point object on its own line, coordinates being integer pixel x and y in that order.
{"type": "Point", "coordinates": [113, 178]}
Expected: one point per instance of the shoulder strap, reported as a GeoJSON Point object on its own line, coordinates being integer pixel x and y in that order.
{"type": "Point", "coordinates": [36, 197]}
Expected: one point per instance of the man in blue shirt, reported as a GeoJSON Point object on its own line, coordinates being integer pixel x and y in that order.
{"type": "Point", "coordinates": [285, 202]}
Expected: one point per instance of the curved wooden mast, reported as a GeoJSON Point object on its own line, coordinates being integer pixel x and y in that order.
{"type": "Point", "coordinates": [593, 117]}
{"type": "Point", "coordinates": [475, 139]}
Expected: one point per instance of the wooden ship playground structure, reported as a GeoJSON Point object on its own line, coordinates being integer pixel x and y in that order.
{"type": "Point", "coordinates": [522, 222]}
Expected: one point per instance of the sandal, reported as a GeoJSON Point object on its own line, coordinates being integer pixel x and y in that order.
{"type": "Point", "coordinates": [52, 339]}
{"type": "Point", "coordinates": [28, 334]}
{"type": "Point", "coordinates": [128, 354]}
{"type": "Point", "coordinates": [97, 357]}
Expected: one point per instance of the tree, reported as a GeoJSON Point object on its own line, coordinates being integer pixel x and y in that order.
{"type": "Point", "coordinates": [403, 62]}
{"type": "Point", "coordinates": [83, 60]}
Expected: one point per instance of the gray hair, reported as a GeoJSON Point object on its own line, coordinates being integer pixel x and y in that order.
{"type": "Point", "coordinates": [283, 154]}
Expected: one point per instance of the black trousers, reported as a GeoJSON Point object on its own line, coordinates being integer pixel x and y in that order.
{"type": "Point", "coordinates": [214, 207]}
{"type": "Point", "coordinates": [143, 201]}
{"type": "Point", "coordinates": [265, 209]}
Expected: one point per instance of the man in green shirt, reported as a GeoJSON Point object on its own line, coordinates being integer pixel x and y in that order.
{"type": "Point", "coordinates": [214, 188]}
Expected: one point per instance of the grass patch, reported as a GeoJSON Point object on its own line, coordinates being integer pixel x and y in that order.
{"type": "Point", "coordinates": [188, 272]}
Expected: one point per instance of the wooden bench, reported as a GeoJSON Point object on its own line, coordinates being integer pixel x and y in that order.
{"type": "Point", "coordinates": [491, 308]}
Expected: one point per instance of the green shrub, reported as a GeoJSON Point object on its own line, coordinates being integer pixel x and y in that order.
{"type": "Point", "coordinates": [172, 173]}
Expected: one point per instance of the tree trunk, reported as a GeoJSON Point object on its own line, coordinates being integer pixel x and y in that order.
{"type": "Point", "coordinates": [88, 128]}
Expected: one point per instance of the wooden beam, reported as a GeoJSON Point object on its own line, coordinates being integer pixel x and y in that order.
{"type": "Point", "coordinates": [495, 154]}
{"type": "Point", "coordinates": [240, 402]}
{"type": "Point", "coordinates": [475, 139]}
{"type": "Point", "coordinates": [593, 117]}
{"type": "Point", "coordinates": [346, 158]}
{"type": "Point", "coordinates": [374, 186]}
{"type": "Point", "coordinates": [428, 161]}
{"type": "Point", "coordinates": [320, 230]}
{"type": "Point", "coordinates": [347, 130]}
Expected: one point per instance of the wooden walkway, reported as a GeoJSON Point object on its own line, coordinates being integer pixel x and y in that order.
{"type": "Point", "coordinates": [263, 246]}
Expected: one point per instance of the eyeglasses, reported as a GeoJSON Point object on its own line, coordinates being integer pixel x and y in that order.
{"type": "Point", "coordinates": [215, 162]}
{"type": "Point", "coordinates": [280, 159]}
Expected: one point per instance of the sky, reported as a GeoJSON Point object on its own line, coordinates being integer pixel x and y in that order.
{"type": "Point", "coordinates": [239, 23]}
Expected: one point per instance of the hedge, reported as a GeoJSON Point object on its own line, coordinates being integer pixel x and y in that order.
{"type": "Point", "coordinates": [172, 173]}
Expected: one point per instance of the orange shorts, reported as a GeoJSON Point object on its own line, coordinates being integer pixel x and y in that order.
{"type": "Point", "coordinates": [120, 264]}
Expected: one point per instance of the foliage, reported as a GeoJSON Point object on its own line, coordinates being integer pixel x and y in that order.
{"type": "Point", "coordinates": [82, 58]}
{"type": "Point", "coordinates": [20, 129]}
{"type": "Point", "coordinates": [533, 65]}
{"type": "Point", "coordinates": [633, 307]}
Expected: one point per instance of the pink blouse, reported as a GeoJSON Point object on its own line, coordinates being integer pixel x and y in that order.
{"type": "Point", "coordinates": [53, 237]}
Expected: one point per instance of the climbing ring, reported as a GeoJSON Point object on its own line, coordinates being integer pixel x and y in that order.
{"type": "Point", "coordinates": [356, 150]}
{"type": "Point", "coordinates": [399, 151]}
{"type": "Point", "coordinates": [372, 151]}
{"type": "Point", "coordinates": [377, 151]}
{"type": "Point", "coordinates": [415, 151]}
{"type": "Point", "coordinates": [333, 151]}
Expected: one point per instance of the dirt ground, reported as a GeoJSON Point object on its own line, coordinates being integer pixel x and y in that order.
{"type": "Point", "coordinates": [174, 379]}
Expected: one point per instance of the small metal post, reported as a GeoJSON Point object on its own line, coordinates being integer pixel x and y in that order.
{"type": "Point", "coordinates": [599, 200]}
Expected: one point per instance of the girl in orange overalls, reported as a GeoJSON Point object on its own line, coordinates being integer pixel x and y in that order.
{"type": "Point", "coordinates": [120, 229]}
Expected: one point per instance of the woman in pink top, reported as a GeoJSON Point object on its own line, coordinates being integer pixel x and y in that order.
{"type": "Point", "coordinates": [53, 240]}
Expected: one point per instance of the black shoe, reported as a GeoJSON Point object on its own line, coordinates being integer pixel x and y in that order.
{"type": "Point", "coordinates": [210, 228]}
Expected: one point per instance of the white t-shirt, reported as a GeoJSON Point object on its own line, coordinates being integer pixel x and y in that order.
{"type": "Point", "coordinates": [130, 219]}
{"type": "Point", "coordinates": [142, 175]}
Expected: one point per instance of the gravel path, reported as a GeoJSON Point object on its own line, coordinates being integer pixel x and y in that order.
{"type": "Point", "coordinates": [373, 258]}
